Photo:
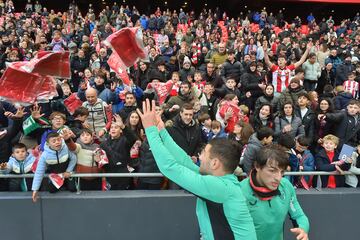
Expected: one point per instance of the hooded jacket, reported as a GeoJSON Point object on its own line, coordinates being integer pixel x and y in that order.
{"type": "Point", "coordinates": [250, 152]}
{"type": "Point", "coordinates": [52, 161]}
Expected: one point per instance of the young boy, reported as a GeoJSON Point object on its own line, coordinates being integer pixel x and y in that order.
{"type": "Point", "coordinates": [351, 85]}
{"type": "Point", "coordinates": [87, 159]}
{"type": "Point", "coordinates": [217, 130]}
{"type": "Point", "coordinates": [58, 159]}
{"type": "Point", "coordinates": [117, 147]}
{"type": "Point", "coordinates": [327, 159]}
{"type": "Point", "coordinates": [20, 162]}
{"type": "Point", "coordinates": [205, 122]}
{"type": "Point", "coordinates": [304, 160]}
{"type": "Point", "coordinates": [78, 124]}
{"type": "Point", "coordinates": [199, 82]}
{"type": "Point", "coordinates": [244, 113]}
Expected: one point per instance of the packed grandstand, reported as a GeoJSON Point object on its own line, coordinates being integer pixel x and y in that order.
{"type": "Point", "coordinates": [256, 79]}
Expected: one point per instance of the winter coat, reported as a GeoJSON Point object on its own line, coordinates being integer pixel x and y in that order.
{"type": "Point", "coordinates": [308, 121]}
{"type": "Point", "coordinates": [289, 95]}
{"type": "Point", "coordinates": [188, 137]}
{"type": "Point", "coordinates": [252, 148]}
{"type": "Point", "coordinates": [5, 141]}
{"type": "Point", "coordinates": [148, 164]}
{"type": "Point", "coordinates": [322, 163]}
{"type": "Point", "coordinates": [342, 99]}
{"type": "Point", "coordinates": [233, 70]}
{"type": "Point", "coordinates": [52, 161]}
{"type": "Point", "coordinates": [99, 117]}
{"type": "Point", "coordinates": [342, 72]}
{"type": "Point", "coordinates": [118, 153]}
{"type": "Point", "coordinates": [347, 128]}
{"type": "Point", "coordinates": [312, 71]}
{"type": "Point", "coordinates": [297, 127]}
{"type": "Point", "coordinates": [273, 101]}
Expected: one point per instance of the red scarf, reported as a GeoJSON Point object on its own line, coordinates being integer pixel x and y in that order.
{"type": "Point", "coordinates": [263, 193]}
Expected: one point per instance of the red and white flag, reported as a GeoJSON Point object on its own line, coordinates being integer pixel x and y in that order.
{"type": "Point", "coordinates": [55, 64]}
{"type": "Point", "coordinates": [19, 86]}
{"type": "Point", "coordinates": [128, 48]}
{"type": "Point", "coordinates": [57, 179]}
{"type": "Point", "coordinates": [103, 157]}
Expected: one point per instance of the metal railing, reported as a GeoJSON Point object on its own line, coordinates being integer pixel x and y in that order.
{"type": "Point", "coordinates": [80, 175]}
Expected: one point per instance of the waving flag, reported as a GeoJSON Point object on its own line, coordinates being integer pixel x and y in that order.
{"type": "Point", "coordinates": [128, 48]}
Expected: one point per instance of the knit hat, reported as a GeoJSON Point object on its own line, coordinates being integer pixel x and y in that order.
{"type": "Point", "coordinates": [187, 60]}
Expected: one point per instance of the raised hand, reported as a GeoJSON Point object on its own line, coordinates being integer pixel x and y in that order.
{"type": "Point", "coordinates": [148, 115]}
{"type": "Point", "coordinates": [36, 112]}
{"type": "Point", "coordinates": [119, 121]}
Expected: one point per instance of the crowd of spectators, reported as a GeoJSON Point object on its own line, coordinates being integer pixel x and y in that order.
{"type": "Point", "coordinates": [255, 79]}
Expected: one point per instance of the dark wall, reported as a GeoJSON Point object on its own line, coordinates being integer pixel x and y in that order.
{"type": "Point", "coordinates": [152, 215]}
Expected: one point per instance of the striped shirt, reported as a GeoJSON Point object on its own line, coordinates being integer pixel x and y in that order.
{"type": "Point", "coordinates": [281, 77]}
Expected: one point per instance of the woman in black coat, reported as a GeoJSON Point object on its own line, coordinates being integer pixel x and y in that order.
{"type": "Point", "coordinates": [250, 86]}
{"type": "Point", "coordinates": [323, 125]}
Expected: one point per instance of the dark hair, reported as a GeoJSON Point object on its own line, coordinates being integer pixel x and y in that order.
{"type": "Point", "coordinates": [138, 126]}
{"type": "Point", "coordinates": [52, 135]}
{"type": "Point", "coordinates": [203, 117]}
{"type": "Point", "coordinates": [246, 131]}
{"type": "Point", "coordinates": [312, 55]}
{"type": "Point", "coordinates": [18, 146]}
{"type": "Point", "coordinates": [286, 140]}
{"type": "Point", "coordinates": [229, 97]}
{"type": "Point", "coordinates": [299, 70]}
{"type": "Point", "coordinates": [273, 152]}
{"type": "Point", "coordinates": [304, 141]}
{"type": "Point", "coordinates": [331, 105]}
{"type": "Point", "coordinates": [186, 106]}
{"type": "Point", "coordinates": [86, 130]}
{"type": "Point", "coordinates": [264, 132]}
{"type": "Point", "coordinates": [304, 94]}
{"type": "Point", "coordinates": [227, 151]}
{"type": "Point", "coordinates": [282, 112]}
{"type": "Point", "coordinates": [354, 102]}
{"type": "Point", "coordinates": [81, 111]}
{"type": "Point", "coordinates": [186, 83]}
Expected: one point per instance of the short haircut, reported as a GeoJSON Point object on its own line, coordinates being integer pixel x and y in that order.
{"type": "Point", "coordinates": [304, 141]}
{"type": "Point", "coordinates": [304, 94]}
{"type": "Point", "coordinates": [81, 111]}
{"type": "Point", "coordinates": [354, 102]}
{"type": "Point", "coordinates": [54, 114]}
{"type": "Point", "coordinates": [272, 153]}
{"type": "Point", "coordinates": [198, 72]}
{"type": "Point", "coordinates": [351, 74]}
{"type": "Point", "coordinates": [52, 135]}
{"type": "Point", "coordinates": [299, 70]}
{"type": "Point", "coordinates": [186, 83]}
{"type": "Point", "coordinates": [331, 138]}
{"type": "Point", "coordinates": [215, 124]}
{"type": "Point", "coordinates": [86, 130]}
{"type": "Point", "coordinates": [175, 73]}
{"type": "Point", "coordinates": [227, 151]}
{"type": "Point", "coordinates": [203, 117]}
{"type": "Point", "coordinates": [312, 55]}
{"type": "Point", "coordinates": [244, 109]}
{"type": "Point", "coordinates": [18, 146]}
{"type": "Point", "coordinates": [286, 140]}
{"type": "Point", "coordinates": [264, 132]}
{"type": "Point", "coordinates": [186, 106]}
{"type": "Point", "coordinates": [130, 93]}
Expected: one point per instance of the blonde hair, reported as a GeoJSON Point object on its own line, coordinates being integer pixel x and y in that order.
{"type": "Point", "coordinates": [331, 138]}
{"type": "Point", "coordinates": [244, 109]}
